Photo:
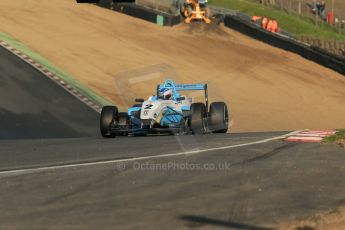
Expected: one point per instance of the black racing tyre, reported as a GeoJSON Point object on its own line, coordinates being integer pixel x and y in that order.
{"type": "Point", "coordinates": [197, 118]}
{"type": "Point", "coordinates": [218, 117]}
{"type": "Point", "coordinates": [108, 117]}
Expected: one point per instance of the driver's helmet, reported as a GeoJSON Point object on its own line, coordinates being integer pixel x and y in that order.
{"type": "Point", "coordinates": [166, 94]}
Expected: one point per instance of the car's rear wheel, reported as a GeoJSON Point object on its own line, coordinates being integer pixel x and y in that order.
{"type": "Point", "coordinates": [108, 118]}
{"type": "Point", "coordinates": [218, 117]}
{"type": "Point", "coordinates": [197, 118]}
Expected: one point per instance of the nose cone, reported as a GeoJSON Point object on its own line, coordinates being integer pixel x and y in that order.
{"type": "Point", "coordinates": [148, 109]}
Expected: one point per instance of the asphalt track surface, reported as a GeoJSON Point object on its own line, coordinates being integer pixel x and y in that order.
{"type": "Point", "coordinates": [249, 187]}
{"type": "Point", "coordinates": [33, 106]}
{"type": "Point", "coordinates": [246, 187]}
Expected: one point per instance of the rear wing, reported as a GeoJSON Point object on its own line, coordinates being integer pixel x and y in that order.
{"type": "Point", "coordinates": [183, 87]}
{"type": "Point", "coordinates": [170, 84]}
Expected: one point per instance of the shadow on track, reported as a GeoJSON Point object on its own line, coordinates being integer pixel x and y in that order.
{"type": "Point", "coordinates": [268, 155]}
{"type": "Point", "coordinates": [196, 221]}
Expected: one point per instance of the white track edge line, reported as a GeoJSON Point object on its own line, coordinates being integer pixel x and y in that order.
{"type": "Point", "coordinates": [194, 152]}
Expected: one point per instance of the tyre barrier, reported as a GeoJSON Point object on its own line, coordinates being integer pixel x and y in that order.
{"type": "Point", "coordinates": [311, 53]}
{"type": "Point", "coordinates": [147, 14]}
{"type": "Point", "coordinates": [130, 8]}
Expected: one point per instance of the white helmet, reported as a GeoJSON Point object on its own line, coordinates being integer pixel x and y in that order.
{"type": "Point", "coordinates": [167, 95]}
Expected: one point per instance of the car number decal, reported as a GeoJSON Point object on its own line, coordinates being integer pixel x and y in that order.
{"type": "Point", "coordinates": [149, 106]}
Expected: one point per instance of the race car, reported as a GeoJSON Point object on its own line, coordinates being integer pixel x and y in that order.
{"type": "Point", "coordinates": [167, 112]}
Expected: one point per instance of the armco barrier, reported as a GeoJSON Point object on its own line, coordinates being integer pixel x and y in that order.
{"type": "Point", "coordinates": [147, 14]}
{"type": "Point", "coordinates": [315, 54]}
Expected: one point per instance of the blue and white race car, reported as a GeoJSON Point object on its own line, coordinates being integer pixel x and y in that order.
{"type": "Point", "coordinates": [166, 112]}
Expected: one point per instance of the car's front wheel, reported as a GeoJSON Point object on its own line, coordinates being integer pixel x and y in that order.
{"type": "Point", "coordinates": [108, 118]}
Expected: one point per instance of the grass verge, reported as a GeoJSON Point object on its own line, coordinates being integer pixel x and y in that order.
{"type": "Point", "coordinates": [339, 137]}
{"type": "Point", "coordinates": [52, 68]}
{"type": "Point", "coordinates": [293, 23]}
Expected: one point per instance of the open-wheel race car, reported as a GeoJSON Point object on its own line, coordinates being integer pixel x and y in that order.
{"type": "Point", "coordinates": [166, 112]}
